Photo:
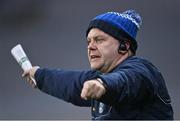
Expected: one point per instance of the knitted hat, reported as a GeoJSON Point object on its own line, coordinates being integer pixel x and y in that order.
{"type": "Point", "coordinates": [118, 25]}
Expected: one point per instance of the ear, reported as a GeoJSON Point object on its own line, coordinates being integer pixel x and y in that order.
{"type": "Point", "coordinates": [124, 47]}
{"type": "Point", "coordinates": [122, 51]}
{"type": "Point", "coordinates": [127, 43]}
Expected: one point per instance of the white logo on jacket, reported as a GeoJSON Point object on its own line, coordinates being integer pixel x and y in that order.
{"type": "Point", "coordinates": [101, 107]}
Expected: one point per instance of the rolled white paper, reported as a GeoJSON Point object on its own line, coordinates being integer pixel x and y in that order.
{"type": "Point", "coordinates": [22, 59]}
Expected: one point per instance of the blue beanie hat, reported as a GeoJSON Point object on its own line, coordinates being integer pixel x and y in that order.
{"type": "Point", "coordinates": [118, 25]}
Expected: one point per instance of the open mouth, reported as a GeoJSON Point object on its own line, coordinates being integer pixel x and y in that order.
{"type": "Point", "coordinates": [94, 57]}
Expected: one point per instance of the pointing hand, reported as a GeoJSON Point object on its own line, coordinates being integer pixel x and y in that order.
{"type": "Point", "coordinates": [92, 89]}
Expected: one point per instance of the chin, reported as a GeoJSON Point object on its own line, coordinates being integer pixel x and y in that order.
{"type": "Point", "coordinates": [95, 67]}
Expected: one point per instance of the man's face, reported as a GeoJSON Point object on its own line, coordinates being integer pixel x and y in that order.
{"type": "Point", "coordinates": [102, 50]}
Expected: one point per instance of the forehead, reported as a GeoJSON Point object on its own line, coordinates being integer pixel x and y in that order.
{"type": "Point", "coordinates": [97, 33]}
{"type": "Point", "coordinates": [94, 32]}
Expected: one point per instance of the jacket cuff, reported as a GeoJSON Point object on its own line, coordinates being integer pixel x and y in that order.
{"type": "Point", "coordinates": [39, 75]}
{"type": "Point", "coordinates": [109, 95]}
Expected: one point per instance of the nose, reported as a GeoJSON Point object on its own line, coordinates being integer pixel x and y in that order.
{"type": "Point", "coordinates": [92, 46]}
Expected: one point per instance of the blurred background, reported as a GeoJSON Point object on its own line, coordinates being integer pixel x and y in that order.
{"type": "Point", "coordinates": [52, 33]}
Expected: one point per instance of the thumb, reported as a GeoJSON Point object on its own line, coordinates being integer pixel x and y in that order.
{"type": "Point", "coordinates": [83, 94]}
{"type": "Point", "coordinates": [26, 73]}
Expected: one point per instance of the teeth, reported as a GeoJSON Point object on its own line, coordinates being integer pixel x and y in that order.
{"type": "Point", "coordinates": [94, 56]}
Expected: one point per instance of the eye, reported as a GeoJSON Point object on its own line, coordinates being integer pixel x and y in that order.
{"type": "Point", "coordinates": [99, 40]}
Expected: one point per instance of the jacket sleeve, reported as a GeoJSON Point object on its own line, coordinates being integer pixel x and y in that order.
{"type": "Point", "coordinates": [64, 84]}
{"type": "Point", "coordinates": [129, 84]}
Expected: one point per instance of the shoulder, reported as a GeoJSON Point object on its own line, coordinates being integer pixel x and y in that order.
{"type": "Point", "coordinates": [137, 60]}
{"type": "Point", "coordinates": [137, 63]}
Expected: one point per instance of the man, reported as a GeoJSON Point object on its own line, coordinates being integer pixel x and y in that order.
{"type": "Point", "coordinates": [119, 84]}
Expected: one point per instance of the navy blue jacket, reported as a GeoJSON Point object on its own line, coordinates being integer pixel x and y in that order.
{"type": "Point", "coordinates": [135, 89]}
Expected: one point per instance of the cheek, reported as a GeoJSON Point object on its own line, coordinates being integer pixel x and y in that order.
{"type": "Point", "coordinates": [109, 51]}
{"type": "Point", "coordinates": [88, 53]}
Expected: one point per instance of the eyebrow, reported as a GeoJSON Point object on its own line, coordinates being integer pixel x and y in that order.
{"type": "Point", "coordinates": [97, 36]}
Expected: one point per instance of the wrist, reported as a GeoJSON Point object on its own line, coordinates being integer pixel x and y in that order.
{"type": "Point", "coordinates": [100, 81]}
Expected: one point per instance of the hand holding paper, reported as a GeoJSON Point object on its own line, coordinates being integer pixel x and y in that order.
{"type": "Point", "coordinates": [22, 59]}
